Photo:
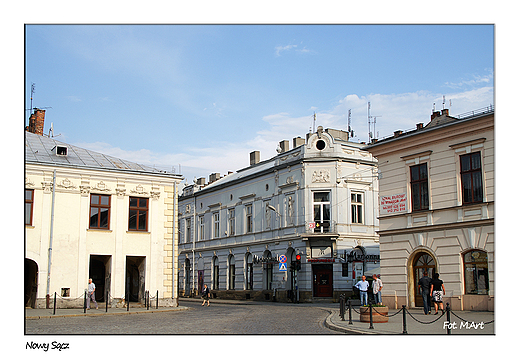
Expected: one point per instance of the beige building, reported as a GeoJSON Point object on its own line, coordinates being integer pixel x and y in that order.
{"type": "Point", "coordinates": [436, 209]}
{"type": "Point", "coordinates": [89, 215]}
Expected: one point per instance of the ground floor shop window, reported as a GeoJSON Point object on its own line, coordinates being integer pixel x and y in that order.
{"type": "Point", "coordinates": [231, 272]}
{"type": "Point", "coordinates": [476, 278]}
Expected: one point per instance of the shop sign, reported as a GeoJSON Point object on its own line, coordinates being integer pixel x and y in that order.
{"type": "Point", "coordinates": [395, 203]}
{"type": "Point", "coordinates": [355, 256]}
{"type": "Point", "coordinates": [320, 260]}
{"type": "Point", "coordinates": [265, 260]}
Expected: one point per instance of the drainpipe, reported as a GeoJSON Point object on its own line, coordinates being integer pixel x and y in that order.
{"type": "Point", "coordinates": [194, 232]}
{"type": "Point", "coordinates": [47, 297]}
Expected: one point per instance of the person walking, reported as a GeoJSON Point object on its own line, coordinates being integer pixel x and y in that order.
{"type": "Point", "coordinates": [424, 288]}
{"type": "Point", "coordinates": [437, 290]}
{"type": "Point", "coordinates": [91, 293]}
{"type": "Point", "coordinates": [377, 285]}
{"type": "Point", "coordinates": [205, 294]}
{"type": "Point", "coordinates": [362, 285]}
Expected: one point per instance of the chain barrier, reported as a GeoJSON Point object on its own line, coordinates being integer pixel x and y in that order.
{"type": "Point", "coordinates": [421, 322]}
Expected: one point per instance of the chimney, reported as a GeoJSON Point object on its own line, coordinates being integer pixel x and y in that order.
{"type": "Point", "coordinates": [297, 142]}
{"type": "Point", "coordinates": [36, 122]}
{"type": "Point", "coordinates": [419, 125]}
{"type": "Point", "coordinates": [284, 145]}
{"type": "Point", "coordinates": [254, 157]}
{"type": "Point", "coordinates": [397, 133]}
{"type": "Point", "coordinates": [446, 111]}
{"type": "Point", "coordinates": [213, 177]}
{"type": "Point", "coordinates": [201, 181]}
{"type": "Point", "coordinates": [435, 114]}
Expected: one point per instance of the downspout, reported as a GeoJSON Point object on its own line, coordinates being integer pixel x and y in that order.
{"type": "Point", "coordinates": [50, 241]}
{"type": "Point", "coordinates": [194, 226]}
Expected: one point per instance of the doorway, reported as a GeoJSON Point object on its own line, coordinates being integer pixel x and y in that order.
{"type": "Point", "coordinates": [135, 275]}
{"type": "Point", "coordinates": [322, 274]}
{"type": "Point", "coordinates": [30, 283]}
{"type": "Point", "coordinates": [422, 262]}
{"type": "Point", "coordinates": [99, 271]}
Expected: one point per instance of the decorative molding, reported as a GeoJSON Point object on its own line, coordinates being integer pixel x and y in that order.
{"type": "Point", "coordinates": [321, 176]}
{"type": "Point", "coordinates": [85, 190]}
{"type": "Point", "coordinates": [67, 184]}
{"type": "Point", "coordinates": [47, 187]}
{"type": "Point", "coordinates": [155, 195]}
{"type": "Point", "coordinates": [120, 192]}
{"type": "Point", "coordinates": [139, 190]}
{"type": "Point", "coordinates": [101, 186]}
{"type": "Point", "coordinates": [28, 182]}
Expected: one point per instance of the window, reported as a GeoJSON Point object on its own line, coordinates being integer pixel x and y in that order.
{"type": "Point", "coordinates": [249, 218]}
{"type": "Point", "coordinates": [216, 225]}
{"type": "Point", "coordinates": [356, 200]}
{"type": "Point", "coordinates": [201, 228]}
{"type": "Point", "coordinates": [138, 215]}
{"type": "Point", "coordinates": [476, 278]}
{"type": "Point", "coordinates": [231, 272]}
{"type": "Point", "coordinates": [231, 220]}
{"type": "Point", "coordinates": [215, 273]}
{"type": "Point", "coordinates": [471, 174]}
{"type": "Point", "coordinates": [321, 212]}
{"type": "Point", "coordinates": [188, 230]}
{"type": "Point", "coordinates": [99, 211]}
{"type": "Point", "coordinates": [29, 202]}
{"type": "Point", "coordinates": [419, 184]}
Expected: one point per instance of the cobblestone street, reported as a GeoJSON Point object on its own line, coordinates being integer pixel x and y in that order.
{"type": "Point", "coordinates": [262, 318]}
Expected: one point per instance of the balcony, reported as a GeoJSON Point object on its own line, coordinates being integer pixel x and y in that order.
{"type": "Point", "coordinates": [321, 227]}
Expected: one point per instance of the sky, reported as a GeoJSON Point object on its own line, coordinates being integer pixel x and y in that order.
{"type": "Point", "coordinates": [197, 99]}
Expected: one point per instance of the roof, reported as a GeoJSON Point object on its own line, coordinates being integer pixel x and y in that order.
{"type": "Point", "coordinates": [41, 149]}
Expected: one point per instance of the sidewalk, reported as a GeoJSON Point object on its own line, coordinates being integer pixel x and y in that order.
{"type": "Point", "coordinates": [77, 312]}
{"type": "Point", "coordinates": [467, 322]}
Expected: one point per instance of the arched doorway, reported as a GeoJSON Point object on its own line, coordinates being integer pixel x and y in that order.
{"type": "Point", "coordinates": [422, 262]}
{"type": "Point", "coordinates": [187, 273]}
{"type": "Point", "coordinates": [249, 271]}
{"type": "Point", "coordinates": [30, 283]}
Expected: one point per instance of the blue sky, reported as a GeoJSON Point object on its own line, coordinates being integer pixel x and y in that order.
{"type": "Point", "coordinates": [204, 96]}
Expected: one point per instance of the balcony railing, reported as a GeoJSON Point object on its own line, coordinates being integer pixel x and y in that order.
{"type": "Point", "coordinates": [324, 226]}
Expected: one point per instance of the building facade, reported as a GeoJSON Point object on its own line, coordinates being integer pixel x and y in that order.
{"type": "Point", "coordinates": [437, 209]}
{"type": "Point", "coordinates": [89, 215]}
{"type": "Point", "coordinates": [241, 234]}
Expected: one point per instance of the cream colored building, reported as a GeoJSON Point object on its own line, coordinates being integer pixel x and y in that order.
{"type": "Point", "coordinates": [104, 218]}
{"type": "Point", "coordinates": [437, 209]}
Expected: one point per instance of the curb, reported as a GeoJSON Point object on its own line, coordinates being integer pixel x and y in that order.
{"type": "Point", "coordinates": [330, 325]}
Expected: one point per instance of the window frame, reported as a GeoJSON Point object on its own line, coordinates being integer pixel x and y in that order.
{"type": "Point", "coordinates": [202, 227]}
{"type": "Point", "coordinates": [139, 210]}
{"type": "Point", "coordinates": [249, 218]}
{"type": "Point", "coordinates": [474, 264]}
{"type": "Point", "coordinates": [29, 202]}
{"type": "Point", "coordinates": [319, 226]}
{"type": "Point", "coordinates": [231, 222]}
{"type": "Point", "coordinates": [187, 229]}
{"type": "Point", "coordinates": [99, 206]}
{"type": "Point", "coordinates": [471, 172]}
{"type": "Point", "coordinates": [216, 224]}
{"type": "Point", "coordinates": [357, 208]}
{"type": "Point", "coordinates": [423, 188]}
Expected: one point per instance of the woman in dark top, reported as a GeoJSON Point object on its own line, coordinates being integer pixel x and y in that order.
{"type": "Point", "coordinates": [437, 290]}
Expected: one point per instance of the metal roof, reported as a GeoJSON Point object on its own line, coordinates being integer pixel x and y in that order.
{"type": "Point", "coordinates": [41, 149]}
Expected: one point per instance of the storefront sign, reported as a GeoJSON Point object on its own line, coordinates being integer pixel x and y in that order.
{"type": "Point", "coordinates": [360, 257]}
{"type": "Point", "coordinates": [264, 260]}
{"type": "Point", "coordinates": [321, 260]}
{"type": "Point", "coordinates": [395, 203]}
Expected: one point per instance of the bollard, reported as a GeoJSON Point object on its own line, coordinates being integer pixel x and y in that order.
{"type": "Point", "coordinates": [106, 302]}
{"type": "Point", "coordinates": [54, 312]}
{"type": "Point", "coordinates": [147, 299]}
{"type": "Point", "coordinates": [448, 318]}
{"type": "Point", "coordinates": [85, 302]}
{"type": "Point", "coordinates": [128, 301]}
{"type": "Point", "coordinates": [342, 307]}
{"type": "Point", "coordinates": [404, 320]}
{"type": "Point", "coordinates": [157, 300]}
{"type": "Point", "coordinates": [349, 312]}
{"type": "Point", "coordinates": [371, 323]}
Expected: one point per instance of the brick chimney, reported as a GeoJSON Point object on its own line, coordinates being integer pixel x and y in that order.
{"type": "Point", "coordinates": [36, 122]}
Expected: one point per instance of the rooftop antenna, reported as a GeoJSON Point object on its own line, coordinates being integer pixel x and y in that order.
{"type": "Point", "coordinates": [349, 129]}
{"type": "Point", "coordinates": [314, 123]}
{"type": "Point", "coordinates": [370, 134]}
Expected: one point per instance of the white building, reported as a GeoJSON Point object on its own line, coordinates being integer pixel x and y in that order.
{"type": "Point", "coordinates": [318, 199]}
{"type": "Point", "coordinates": [89, 215]}
{"type": "Point", "coordinates": [437, 209]}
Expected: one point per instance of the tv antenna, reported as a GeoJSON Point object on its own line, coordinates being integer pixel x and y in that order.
{"type": "Point", "coordinates": [31, 108]}
{"type": "Point", "coordinates": [349, 129]}
{"type": "Point", "coordinates": [371, 134]}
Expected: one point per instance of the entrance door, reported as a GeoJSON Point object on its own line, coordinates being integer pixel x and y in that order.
{"type": "Point", "coordinates": [423, 262]}
{"type": "Point", "coordinates": [322, 280]}
{"type": "Point", "coordinates": [30, 283]}
{"type": "Point", "coordinates": [135, 274]}
{"type": "Point", "coordinates": [99, 271]}
{"type": "Point", "coordinates": [200, 281]}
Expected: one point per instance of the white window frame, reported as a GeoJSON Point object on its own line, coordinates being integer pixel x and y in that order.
{"type": "Point", "coordinates": [355, 205]}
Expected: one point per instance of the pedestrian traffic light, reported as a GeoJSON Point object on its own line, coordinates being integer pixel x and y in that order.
{"type": "Point", "coordinates": [298, 262]}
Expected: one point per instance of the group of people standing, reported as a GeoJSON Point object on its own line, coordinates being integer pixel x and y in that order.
{"type": "Point", "coordinates": [432, 289]}
{"type": "Point", "coordinates": [377, 286]}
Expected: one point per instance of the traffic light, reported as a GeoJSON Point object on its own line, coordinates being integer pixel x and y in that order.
{"type": "Point", "coordinates": [298, 265]}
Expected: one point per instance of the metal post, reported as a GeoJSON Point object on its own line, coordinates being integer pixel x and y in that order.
{"type": "Point", "coordinates": [342, 306]}
{"type": "Point", "coordinates": [128, 301]}
{"type": "Point", "coordinates": [448, 318]}
{"type": "Point", "coordinates": [157, 300]}
{"type": "Point", "coordinates": [106, 301]}
{"type": "Point", "coordinates": [49, 259]}
{"type": "Point", "coordinates": [349, 312]}
{"type": "Point", "coordinates": [147, 300]}
{"type": "Point", "coordinates": [54, 303]}
{"type": "Point", "coordinates": [85, 302]}
{"type": "Point", "coordinates": [371, 323]}
{"type": "Point", "coordinates": [404, 320]}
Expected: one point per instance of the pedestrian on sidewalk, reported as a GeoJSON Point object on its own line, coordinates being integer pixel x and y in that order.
{"type": "Point", "coordinates": [377, 285]}
{"type": "Point", "coordinates": [91, 293]}
{"type": "Point", "coordinates": [424, 288]}
{"type": "Point", "coordinates": [205, 294]}
{"type": "Point", "coordinates": [362, 285]}
{"type": "Point", "coordinates": [437, 290]}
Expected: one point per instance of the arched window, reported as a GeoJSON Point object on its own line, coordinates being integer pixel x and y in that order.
{"type": "Point", "coordinates": [249, 271]}
{"type": "Point", "coordinates": [215, 276]}
{"type": "Point", "coordinates": [231, 272]}
{"type": "Point", "coordinates": [476, 278]}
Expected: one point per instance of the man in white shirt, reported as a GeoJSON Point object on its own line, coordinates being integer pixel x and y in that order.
{"type": "Point", "coordinates": [377, 285]}
{"type": "Point", "coordinates": [91, 293]}
{"type": "Point", "coordinates": [362, 285]}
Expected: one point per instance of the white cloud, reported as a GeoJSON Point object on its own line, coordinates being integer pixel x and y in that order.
{"type": "Point", "coordinates": [284, 48]}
